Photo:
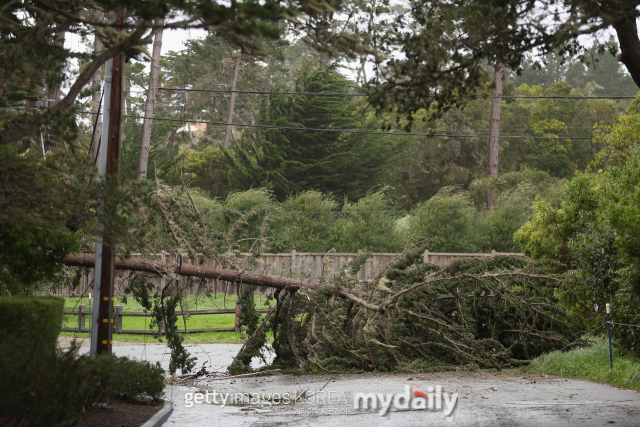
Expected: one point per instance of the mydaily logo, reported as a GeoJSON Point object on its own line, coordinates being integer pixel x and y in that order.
{"type": "Point", "coordinates": [428, 398]}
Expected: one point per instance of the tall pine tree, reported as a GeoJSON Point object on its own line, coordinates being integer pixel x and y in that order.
{"type": "Point", "coordinates": [294, 160]}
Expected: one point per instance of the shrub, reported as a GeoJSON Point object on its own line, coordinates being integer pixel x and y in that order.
{"type": "Point", "coordinates": [449, 215]}
{"type": "Point", "coordinates": [32, 319]}
{"type": "Point", "coordinates": [43, 389]}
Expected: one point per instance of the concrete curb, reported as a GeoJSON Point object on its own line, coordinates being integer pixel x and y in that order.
{"type": "Point", "coordinates": [161, 416]}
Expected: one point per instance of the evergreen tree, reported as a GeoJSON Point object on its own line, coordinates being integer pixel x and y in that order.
{"type": "Point", "coordinates": [295, 160]}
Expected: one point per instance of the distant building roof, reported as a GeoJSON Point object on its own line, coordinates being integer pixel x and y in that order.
{"type": "Point", "coordinates": [195, 127]}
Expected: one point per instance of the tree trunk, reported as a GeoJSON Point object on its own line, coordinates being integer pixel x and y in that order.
{"type": "Point", "coordinates": [54, 92]}
{"type": "Point", "coordinates": [189, 270]}
{"type": "Point", "coordinates": [267, 80]}
{"type": "Point", "coordinates": [95, 82]}
{"type": "Point", "coordinates": [172, 138]}
{"type": "Point", "coordinates": [145, 143]}
{"type": "Point", "coordinates": [194, 270]}
{"type": "Point", "coordinates": [232, 104]}
{"type": "Point", "coordinates": [494, 131]}
{"type": "Point", "coordinates": [627, 30]}
{"type": "Point", "coordinates": [126, 103]}
{"type": "Point", "coordinates": [360, 70]}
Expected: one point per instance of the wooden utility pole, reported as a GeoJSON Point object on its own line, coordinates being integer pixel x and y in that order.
{"type": "Point", "coordinates": [494, 131]}
{"type": "Point", "coordinates": [232, 103]}
{"type": "Point", "coordinates": [95, 82]}
{"type": "Point", "coordinates": [149, 108]}
{"type": "Point", "coordinates": [109, 168]}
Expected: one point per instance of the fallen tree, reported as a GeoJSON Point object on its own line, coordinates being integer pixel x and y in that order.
{"type": "Point", "coordinates": [495, 312]}
{"type": "Point", "coordinates": [415, 317]}
{"type": "Point", "coordinates": [87, 260]}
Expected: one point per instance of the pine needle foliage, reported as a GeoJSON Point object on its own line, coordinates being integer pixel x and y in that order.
{"type": "Point", "coordinates": [484, 313]}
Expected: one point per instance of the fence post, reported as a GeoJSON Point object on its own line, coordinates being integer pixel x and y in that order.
{"type": "Point", "coordinates": [493, 252]}
{"type": "Point", "coordinates": [119, 319]}
{"type": "Point", "coordinates": [161, 322]}
{"type": "Point", "coordinates": [293, 262]}
{"type": "Point", "coordinates": [609, 330]}
{"type": "Point", "coordinates": [81, 308]}
{"type": "Point", "coordinates": [426, 257]}
{"type": "Point", "coordinates": [238, 308]}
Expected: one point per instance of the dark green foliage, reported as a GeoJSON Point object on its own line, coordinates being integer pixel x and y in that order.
{"type": "Point", "coordinates": [446, 44]}
{"type": "Point", "coordinates": [602, 69]}
{"type": "Point", "coordinates": [40, 386]}
{"type": "Point", "coordinates": [179, 355]}
{"type": "Point", "coordinates": [449, 215]}
{"type": "Point", "coordinates": [126, 378]}
{"type": "Point", "coordinates": [44, 389]}
{"type": "Point", "coordinates": [290, 160]}
{"type": "Point", "coordinates": [250, 318]}
{"type": "Point", "coordinates": [495, 312]}
{"type": "Point", "coordinates": [31, 255]}
{"type": "Point", "coordinates": [35, 320]}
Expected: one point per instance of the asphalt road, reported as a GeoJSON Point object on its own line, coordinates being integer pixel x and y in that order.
{"type": "Point", "coordinates": [484, 398]}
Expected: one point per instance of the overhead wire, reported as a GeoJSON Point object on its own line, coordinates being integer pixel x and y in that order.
{"type": "Point", "coordinates": [267, 92]}
{"type": "Point", "coordinates": [353, 131]}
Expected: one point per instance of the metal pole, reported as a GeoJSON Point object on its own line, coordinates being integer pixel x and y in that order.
{"type": "Point", "coordinates": [609, 329]}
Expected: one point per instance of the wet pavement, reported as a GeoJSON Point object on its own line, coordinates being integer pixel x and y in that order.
{"type": "Point", "coordinates": [483, 398]}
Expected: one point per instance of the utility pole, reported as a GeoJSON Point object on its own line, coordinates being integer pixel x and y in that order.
{"type": "Point", "coordinates": [232, 103]}
{"type": "Point", "coordinates": [494, 131]}
{"type": "Point", "coordinates": [102, 319]}
{"type": "Point", "coordinates": [95, 81]}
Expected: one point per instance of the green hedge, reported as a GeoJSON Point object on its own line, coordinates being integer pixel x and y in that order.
{"type": "Point", "coordinates": [36, 319]}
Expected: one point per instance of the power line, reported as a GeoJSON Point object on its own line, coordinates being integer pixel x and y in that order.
{"type": "Point", "coordinates": [431, 135]}
{"type": "Point", "coordinates": [263, 92]}
{"type": "Point", "coordinates": [406, 211]}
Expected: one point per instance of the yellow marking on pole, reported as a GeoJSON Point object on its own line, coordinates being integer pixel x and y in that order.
{"type": "Point", "coordinates": [105, 298]}
{"type": "Point", "coordinates": [104, 341]}
{"type": "Point", "coordinates": [104, 320]}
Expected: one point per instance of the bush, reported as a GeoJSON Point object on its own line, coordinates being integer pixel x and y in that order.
{"type": "Point", "coordinates": [32, 319]}
{"type": "Point", "coordinates": [449, 215]}
{"type": "Point", "coordinates": [43, 389]}
{"type": "Point", "coordinates": [368, 224]}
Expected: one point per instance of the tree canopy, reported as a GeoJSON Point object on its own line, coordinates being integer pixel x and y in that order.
{"type": "Point", "coordinates": [445, 44]}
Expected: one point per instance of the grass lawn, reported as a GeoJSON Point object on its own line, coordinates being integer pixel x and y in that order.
{"type": "Point", "coordinates": [592, 364]}
{"type": "Point", "coordinates": [216, 302]}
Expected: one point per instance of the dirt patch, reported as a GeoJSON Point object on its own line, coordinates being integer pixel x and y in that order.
{"type": "Point", "coordinates": [121, 413]}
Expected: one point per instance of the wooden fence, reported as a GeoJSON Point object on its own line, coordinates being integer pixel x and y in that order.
{"type": "Point", "coordinates": [311, 267]}
{"type": "Point", "coordinates": [84, 320]}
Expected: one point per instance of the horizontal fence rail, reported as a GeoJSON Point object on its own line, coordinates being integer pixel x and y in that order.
{"type": "Point", "coordinates": [119, 313]}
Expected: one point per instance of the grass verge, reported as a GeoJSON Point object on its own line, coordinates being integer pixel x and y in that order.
{"type": "Point", "coordinates": [215, 301]}
{"type": "Point", "coordinates": [591, 364]}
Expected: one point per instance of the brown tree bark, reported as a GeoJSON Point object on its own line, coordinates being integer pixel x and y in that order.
{"type": "Point", "coordinates": [54, 92]}
{"type": "Point", "coordinates": [494, 131]}
{"type": "Point", "coordinates": [172, 138]}
{"type": "Point", "coordinates": [145, 144]}
{"type": "Point", "coordinates": [203, 271]}
{"type": "Point", "coordinates": [232, 104]}
{"type": "Point", "coordinates": [627, 31]}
